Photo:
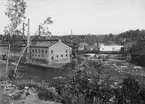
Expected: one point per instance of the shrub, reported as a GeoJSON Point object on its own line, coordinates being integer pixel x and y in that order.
{"type": "Point", "coordinates": [43, 90]}
{"type": "Point", "coordinates": [45, 94]}
{"type": "Point", "coordinates": [4, 99]}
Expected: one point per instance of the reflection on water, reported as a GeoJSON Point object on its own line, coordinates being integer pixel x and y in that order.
{"type": "Point", "coordinates": [51, 74]}
{"type": "Point", "coordinates": [40, 73]}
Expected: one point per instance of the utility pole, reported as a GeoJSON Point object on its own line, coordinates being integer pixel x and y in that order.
{"type": "Point", "coordinates": [7, 64]}
{"type": "Point", "coordinates": [71, 37]}
{"type": "Point", "coordinates": [39, 31]}
{"type": "Point", "coordinates": [28, 40]}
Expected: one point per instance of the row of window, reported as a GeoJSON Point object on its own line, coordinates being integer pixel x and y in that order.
{"type": "Point", "coordinates": [57, 56]}
{"type": "Point", "coordinates": [37, 55]}
{"type": "Point", "coordinates": [112, 49]}
{"type": "Point", "coordinates": [43, 55]}
{"type": "Point", "coordinates": [52, 51]}
{"type": "Point", "coordinates": [39, 50]}
{"type": "Point", "coordinates": [42, 51]}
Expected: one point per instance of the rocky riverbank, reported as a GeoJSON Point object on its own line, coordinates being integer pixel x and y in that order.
{"type": "Point", "coordinates": [13, 94]}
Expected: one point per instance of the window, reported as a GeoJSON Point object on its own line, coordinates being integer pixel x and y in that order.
{"type": "Point", "coordinates": [39, 55]}
{"type": "Point", "coordinates": [61, 55]}
{"type": "Point", "coordinates": [36, 50]}
{"type": "Point", "coordinates": [32, 50]}
{"type": "Point", "coordinates": [42, 55]}
{"type": "Point", "coordinates": [42, 50]}
{"type": "Point", "coordinates": [46, 51]}
{"type": "Point", "coordinates": [57, 56]}
{"type": "Point", "coordinates": [52, 57]}
{"type": "Point", "coordinates": [66, 55]}
{"type": "Point", "coordinates": [51, 51]}
{"type": "Point", "coordinates": [66, 51]}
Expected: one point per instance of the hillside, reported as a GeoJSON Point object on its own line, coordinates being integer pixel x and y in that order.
{"type": "Point", "coordinates": [128, 36]}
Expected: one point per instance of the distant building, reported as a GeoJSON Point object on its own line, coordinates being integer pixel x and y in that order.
{"type": "Point", "coordinates": [83, 46]}
{"type": "Point", "coordinates": [112, 47]}
{"type": "Point", "coordinates": [50, 52]}
{"type": "Point", "coordinates": [92, 47]}
{"type": "Point", "coordinates": [3, 49]}
{"type": "Point", "coordinates": [95, 47]}
{"type": "Point", "coordinates": [128, 45]}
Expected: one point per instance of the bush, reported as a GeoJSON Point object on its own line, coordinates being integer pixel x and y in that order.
{"type": "Point", "coordinates": [43, 90]}
{"type": "Point", "coordinates": [130, 93]}
{"type": "Point", "coordinates": [45, 94]}
{"type": "Point", "coordinates": [4, 99]}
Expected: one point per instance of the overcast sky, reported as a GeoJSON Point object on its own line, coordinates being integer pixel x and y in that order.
{"type": "Point", "coordinates": [83, 16]}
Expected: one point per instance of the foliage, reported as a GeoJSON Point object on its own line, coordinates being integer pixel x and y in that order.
{"type": "Point", "coordinates": [30, 83]}
{"type": "Point", "coordinates": [43, 30]}
{"type": "Point", "coordinates": [90, 39]}
{"type": "Point", "coordinates": [128, 36]}
{"type": "Point", "coordinates": [84, 88]}
{"type": "Point", "coordinates": [4, 98]}
{"type": "Point", "coordinates": [44, 91]}
{"type": "Point", "coordinates": [87, 88]}
{"type": "Point", "coordinates": [68, 66]}
{"type": "Point", "coordinates": [15, 11]}
{"type": "Point", "coordinates": [131, 36]}
{"type": "Point", "coordinates": [130, 93]}
{"type": "Point", "coordinates": [45, 94]}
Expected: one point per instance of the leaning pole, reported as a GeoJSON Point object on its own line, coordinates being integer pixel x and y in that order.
{"type": "Point", "coordinates": [26, 48]}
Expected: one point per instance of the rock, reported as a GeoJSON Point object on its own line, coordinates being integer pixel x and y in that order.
{"type": "Point", "coordinates": [4, 98]}
{"type": "Point", "coordinates": [16, 95]}
{"type": "Point", "coordinates": [137, 67]}
{"type": "Point", "coordinates": [124, 66]}
{"type": "Point", "coordinates": [29, 92]}
{"type": "Point", "coordinates": [26, 87]}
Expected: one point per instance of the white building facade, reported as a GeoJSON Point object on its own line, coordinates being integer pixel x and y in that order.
{"type": "Point", "coordinates": [50, 52]}
{"type": "Point", "coordinates": [110, 47]}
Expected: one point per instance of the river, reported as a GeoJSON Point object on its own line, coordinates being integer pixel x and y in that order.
{"type": "Point", "coordinates": [41, 73]}
{"type": "Point", "coordinates": [50, 74]}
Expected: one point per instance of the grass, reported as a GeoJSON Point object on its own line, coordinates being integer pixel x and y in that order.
{"type": "Point", "coordinates": [43, 90]}
{"type": "Point", "coordinates": [4, 99]}
{"type": "Point", "coordinates": [44, 93]}
{"type": "Point", "coordinates": [21, 83]}
{"type": "Point", "coordinates": [2, 72]}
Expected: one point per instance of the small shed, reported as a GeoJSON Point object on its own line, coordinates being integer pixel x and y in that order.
{"type": "Point", "coordinates": [83, 46]}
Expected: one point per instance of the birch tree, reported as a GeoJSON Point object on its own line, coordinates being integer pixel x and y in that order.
{"type": "Point", "coordinates": [15, 11]}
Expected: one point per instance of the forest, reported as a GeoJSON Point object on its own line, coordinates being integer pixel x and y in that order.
{"type": "Point", "coordinates": [128, 36]}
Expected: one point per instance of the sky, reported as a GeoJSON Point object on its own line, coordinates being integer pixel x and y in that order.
{"type": "Point", "coordinates": [82, 16]}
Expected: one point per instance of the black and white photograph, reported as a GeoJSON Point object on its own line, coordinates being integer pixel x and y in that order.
{"type": "Point", "coordinates": [72, 51]}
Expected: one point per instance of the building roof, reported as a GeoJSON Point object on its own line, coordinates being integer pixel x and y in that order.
{"type": "Point", "coordinates": [44, 43]}
{"type": "Point", "coordinates": [85, 44]}
{"type": "Point", "coordinates": [51, 39]}
{"type": "Point", "coordinates": [112, 45]}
